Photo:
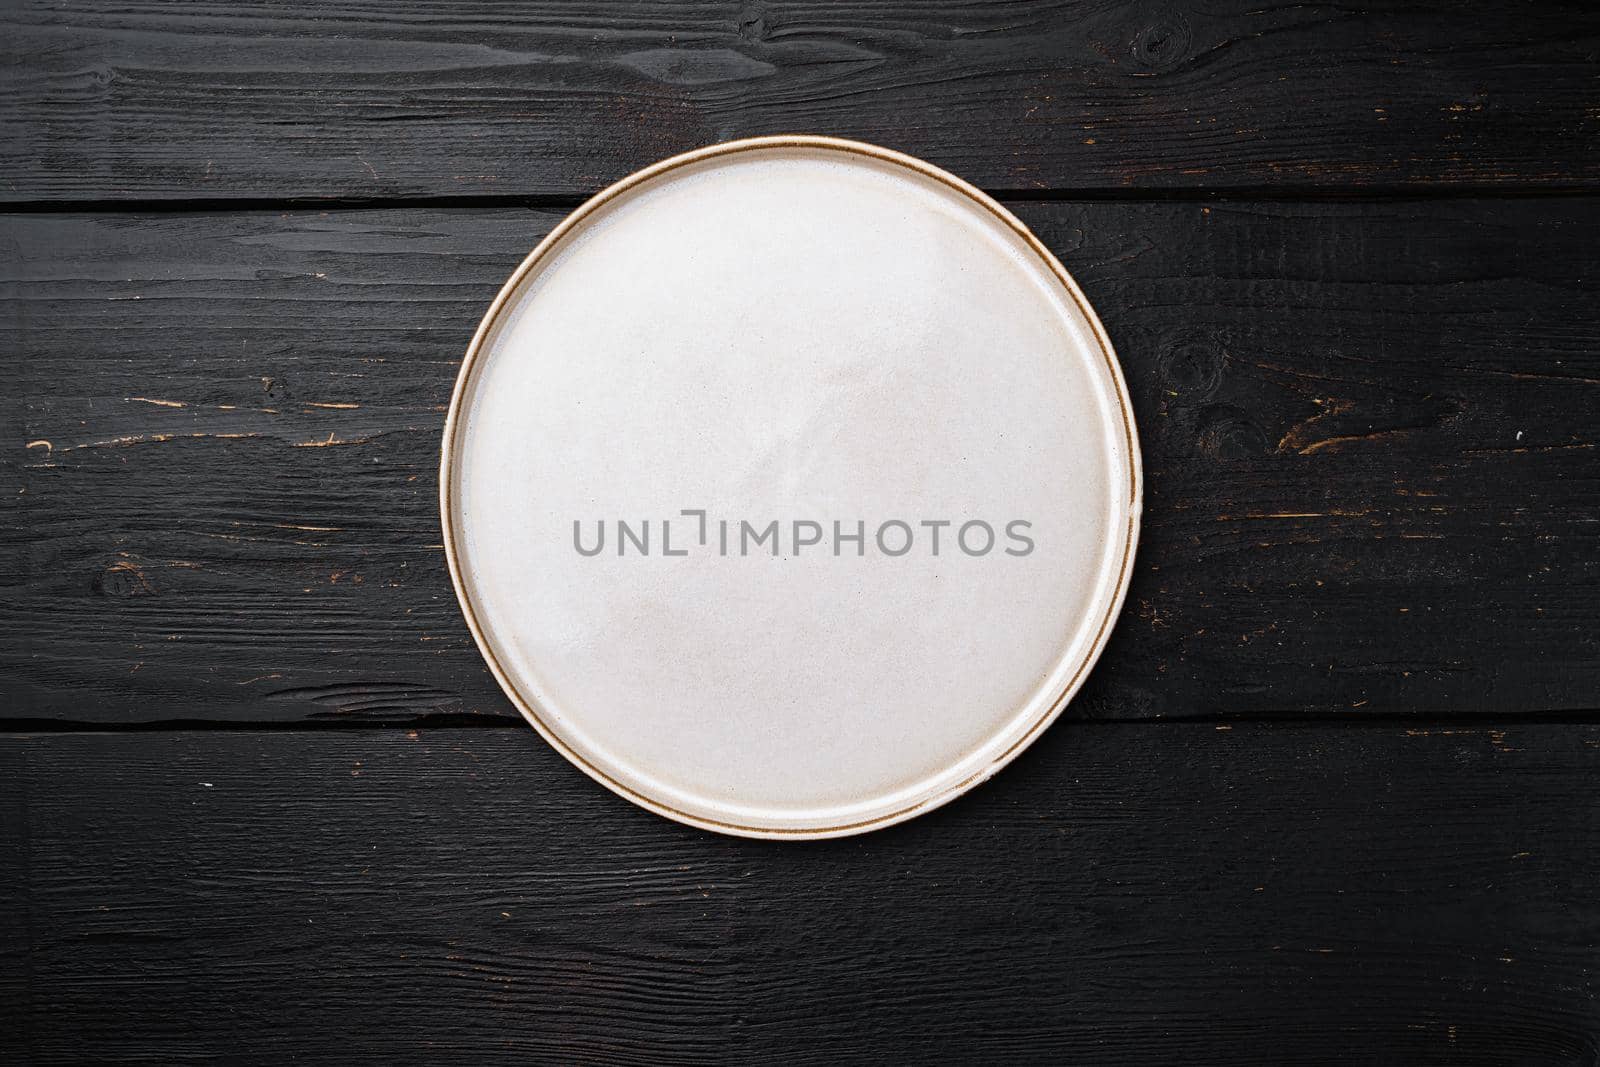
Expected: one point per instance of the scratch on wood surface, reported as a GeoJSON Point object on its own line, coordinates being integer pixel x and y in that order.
{"type": "Point", "coordinates": [1524, 449]}
{"type": "Point", "coordinates": [332, 440]}
{"type": "Point", "coordinates": [1341, 513]}
{"type": "Point", "coordinates": [125, 578]}
{"type": "Point", "coordinates": [331, 405]}
{"type": "Point", "coordinates": [158, 403]}
{"type": "Point", "coordinates": [1532, 376]}
{"type": "Point", "coordinates": [1298, 437]}
{"type": "Point", "coordinates": [1346, 438]}
{"type": "Point", "coordinates": [128, 440]}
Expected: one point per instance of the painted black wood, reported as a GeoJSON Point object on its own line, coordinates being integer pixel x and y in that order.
{"type": "Point", "coordinates": [1125, 894]}
{"type": "Point", "coordinates": [1369, 427]}
{"type": "Point", "coordinates": [1369, 435]}
{"type": "Point", "coordinates": [102, 99]}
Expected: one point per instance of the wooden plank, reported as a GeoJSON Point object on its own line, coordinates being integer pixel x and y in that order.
{"type": "Point", "coordinates": [184, 100]}
{"type": "Point", "coordinates": [1125, 893]}
{"type": "Point", "coordinates": [1368, 429]}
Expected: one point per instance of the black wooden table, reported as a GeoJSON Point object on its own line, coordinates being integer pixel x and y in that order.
{"type": "Point", "coordinates": [1330, 797]}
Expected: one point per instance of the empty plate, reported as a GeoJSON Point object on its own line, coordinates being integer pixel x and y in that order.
{"type": "Point", "coordinates": [790, 487]}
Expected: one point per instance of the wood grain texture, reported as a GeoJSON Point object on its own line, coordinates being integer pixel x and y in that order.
{"type": "Point", "coordinates": [180, 100]}
{"type": "Point", "coordinates": [1124, 894]}
{"type": "Point", "coordinates": [1369, 435]}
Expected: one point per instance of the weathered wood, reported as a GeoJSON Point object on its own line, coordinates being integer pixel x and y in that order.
{"type": "Point", "coordinates": [1369, 435]}
{"type": "Point", "coordinates": [183, 100]}
{"type": "Point", "coordinates": [1124, 894]}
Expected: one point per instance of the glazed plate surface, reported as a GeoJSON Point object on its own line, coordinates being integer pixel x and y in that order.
{"type": "Point", "coordinates": [790, 487]}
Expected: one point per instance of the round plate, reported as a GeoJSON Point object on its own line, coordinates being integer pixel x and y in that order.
{"type": "Point", "coordinates": [790, 487]}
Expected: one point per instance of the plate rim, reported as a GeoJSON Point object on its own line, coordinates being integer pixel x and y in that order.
{"type": "Point", "coordinates": [449, 453]}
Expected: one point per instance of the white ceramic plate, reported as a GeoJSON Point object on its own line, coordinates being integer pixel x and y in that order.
{"type": "Point", "coordinates": [832, 338]}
